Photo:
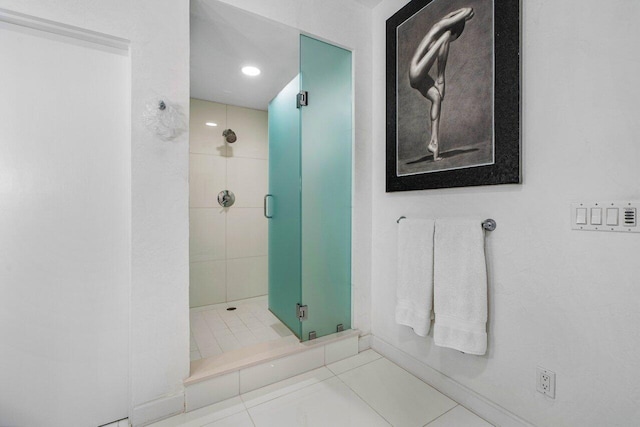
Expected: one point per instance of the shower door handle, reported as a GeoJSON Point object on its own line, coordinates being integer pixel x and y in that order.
{"type": "Point", "coordinates": [267, 214]}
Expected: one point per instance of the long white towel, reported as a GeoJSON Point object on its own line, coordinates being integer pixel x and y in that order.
{"type": "Point", "coordinates": [460, 286]}
{"type": "Point", "coordinates": [415, 274]}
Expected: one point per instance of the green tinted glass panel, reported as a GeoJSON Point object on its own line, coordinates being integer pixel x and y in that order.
{"type": "Point", "coordinates": [326, 129]}
{"type": "Point", "coordinates": [284, 206]}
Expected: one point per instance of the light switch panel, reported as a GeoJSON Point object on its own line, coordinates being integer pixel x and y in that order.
{"type": "Point", "coordinates": [605, 216]}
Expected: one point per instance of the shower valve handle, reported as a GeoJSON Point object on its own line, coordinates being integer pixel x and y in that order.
{"type": "Point", "coordinates": [226, 198]}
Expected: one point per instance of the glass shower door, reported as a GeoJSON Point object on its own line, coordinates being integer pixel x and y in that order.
{"type": "Point", "coordinates": [326, 131]}
{"type": "Point", "coordinates": [282, 207]}
{"type": "Point", "coordinates": [309, 200]}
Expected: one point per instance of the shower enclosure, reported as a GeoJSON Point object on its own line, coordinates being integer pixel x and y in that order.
{"type": "Point", "coordinates": [309, 200]}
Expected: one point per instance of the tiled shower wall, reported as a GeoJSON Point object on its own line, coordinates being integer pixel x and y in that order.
{"type": "Point", "coordinates": [227, 246]}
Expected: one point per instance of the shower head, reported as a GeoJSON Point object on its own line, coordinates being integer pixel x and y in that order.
{"type": "Point", "coordinates": [229, 136]}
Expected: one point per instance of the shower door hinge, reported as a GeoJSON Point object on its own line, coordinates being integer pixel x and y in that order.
{"type": "Point", "coordinates": [302, 311]}
{"type": "Point", "coordinates": [303, 99]}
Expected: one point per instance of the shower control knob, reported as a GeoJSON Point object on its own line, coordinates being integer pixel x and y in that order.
{"type": "Point", "coordinates": [226, 198]}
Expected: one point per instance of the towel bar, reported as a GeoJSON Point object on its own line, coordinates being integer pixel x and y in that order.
{"type": "Point", "coordinates": [487, 224]}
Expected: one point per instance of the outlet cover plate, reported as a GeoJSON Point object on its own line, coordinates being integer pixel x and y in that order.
{"type": "Point", "coordinates": [546, 382]}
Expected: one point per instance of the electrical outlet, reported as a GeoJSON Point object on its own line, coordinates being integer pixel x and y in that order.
{"type": "Point", "coordinates": [546, 382]}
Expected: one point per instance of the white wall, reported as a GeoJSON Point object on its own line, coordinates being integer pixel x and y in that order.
{"type": "Point", "coordinates": [159, 34]}
{"type": "Point", "coordinates": [65, 203]}
{"type": "Point", "coordinates": [160, 279]}
{"type": "Point", "coordinates": [228, 246]}
{"type": "Point", "coordinates": [346, 24]}
{"type": "Point", "coordinates": [561, 299]}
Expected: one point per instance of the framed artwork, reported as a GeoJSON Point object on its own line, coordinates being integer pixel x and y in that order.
{"type": "Point", "coordinates": [453, 94]}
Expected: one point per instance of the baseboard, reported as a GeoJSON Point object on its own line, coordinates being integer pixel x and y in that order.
{"type": "Point", "coordinates": [364, 343]}
{"type": "Point", "coordinates": [157, 410]}
{"type": "Point", "coordinates": [468, 398]}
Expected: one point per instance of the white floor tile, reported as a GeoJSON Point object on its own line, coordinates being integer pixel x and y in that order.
{"type": "Point", "coordinates": [398, 396]}
{"type": "Point", "coordinates": [211, 351]}
{"type": "Point", "coordinates": [239, 330]}
{"type": "Point", "coordinates": [265, 334]}
{"type": "Point", "coordinates": [247, 339]}
{"type": "Point", "coordinates": [202, 334]}
{"type": "Point", "coordinates": [229, 343]}
{"type": "Point", "coordinates": [328, 403]}
{"type": "Point", "coordinates": [459, 417]}
{"type": "Point", "coordinates": [281, 388]}
{"type": "Point", "coordinates": [194, 315]}
{"type": "Point", "coordinates": [345, 365]}
{"type": "Point", "coordinates": [205, 415]}
{"type": "Point", "coordinates": [222, 333]}
{"type": "Point", "coordinates": [234, 321]}
{"type": "Point", "coordinates": [219, 327]}
{"type": "Point", "coordinates": [241, 419]}
{"type": "Point", "coordinates": [255, 325]}
{"type": "Point", "coordinates": [281, 330]}
{"type": "Point", "coordinates": [246, 314]}
{"type": "Point", "coordinates": [214, 327]}
{"type": "Point", "coordinates": [228, 315]}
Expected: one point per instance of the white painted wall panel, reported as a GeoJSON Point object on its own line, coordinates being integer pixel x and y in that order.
{"type": "Point", "coordinates": [159, 34]}
{"type": "Point", "coordinates": [65, 229]}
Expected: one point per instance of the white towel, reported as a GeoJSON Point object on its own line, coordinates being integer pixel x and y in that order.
{"type": "Point", "coordinates": [415, 274]}
{"type": "Point", "coordinates": [460, 286]}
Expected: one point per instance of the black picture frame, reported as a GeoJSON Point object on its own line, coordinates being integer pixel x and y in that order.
{"type": "Point", "coordinates": [506, 166]}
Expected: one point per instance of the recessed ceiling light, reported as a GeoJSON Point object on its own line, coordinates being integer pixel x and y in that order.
{"type": "Point", "coordinates": [251, 71]}
{"type": "Point", "coordinates": [211, 124]}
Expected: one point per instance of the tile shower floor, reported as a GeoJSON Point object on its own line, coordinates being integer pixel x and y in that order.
{"type": "Point", "coordinates": [216, 330]}
{"type": "Point", "coordinates": [364, 390]}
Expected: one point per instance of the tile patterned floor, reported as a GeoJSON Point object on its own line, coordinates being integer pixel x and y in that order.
{"type": "Point", "coordinates": [215, 330]}
{"type": "Point", "coordinates": [365, 390]}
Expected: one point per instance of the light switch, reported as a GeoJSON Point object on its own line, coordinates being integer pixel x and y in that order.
{"type": "Point", "coordinates": [612, 216]}
{"type": "Point", "coordinates": [596, 216]}
{"type": "Point", "coordinates": [619, 216]}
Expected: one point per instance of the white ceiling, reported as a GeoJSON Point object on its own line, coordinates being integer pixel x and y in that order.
{"type": "Point", "coordinates": [370, 3]}
{"type": "Point", "coordinates": [223, 40]}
